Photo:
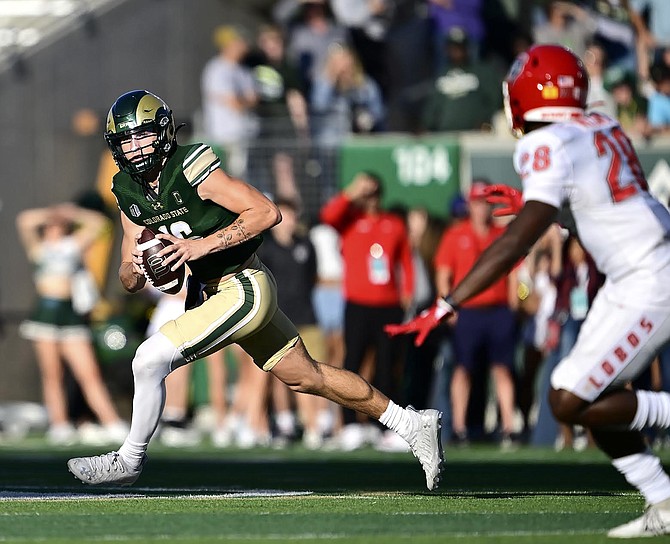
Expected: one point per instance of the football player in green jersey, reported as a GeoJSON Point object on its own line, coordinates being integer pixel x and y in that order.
{"type": "Point", "coordinates": [215, 223]}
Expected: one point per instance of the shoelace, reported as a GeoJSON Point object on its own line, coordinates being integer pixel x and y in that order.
{"type": "Point", "coordinates": [653, 522]}
{"type": "Point", "coordinates": [108, 462]}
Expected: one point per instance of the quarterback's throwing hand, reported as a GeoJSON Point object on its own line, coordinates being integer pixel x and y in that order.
{"type": "Point", "coordinates": [181, 250]}
{"type": "Point", "coordinates": [425, 322]}
{"type": "Point", "coordinates": [511, 199]}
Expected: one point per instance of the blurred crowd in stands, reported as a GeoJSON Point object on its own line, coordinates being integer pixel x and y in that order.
{"type": "Point", "coordinates": [337, 67]}
{"type": "Point", "coordinates": [321, 70]}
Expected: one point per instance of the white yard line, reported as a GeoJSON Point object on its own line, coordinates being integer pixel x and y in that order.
{"type": "Point", "coordinates": [47, 494]}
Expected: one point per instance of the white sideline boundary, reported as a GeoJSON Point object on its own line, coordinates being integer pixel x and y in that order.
{"type": "Point", "coordinates": [49, 494]}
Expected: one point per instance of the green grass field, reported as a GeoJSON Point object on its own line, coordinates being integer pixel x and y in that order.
{"type": "Point", "coordinates": [204, 495]}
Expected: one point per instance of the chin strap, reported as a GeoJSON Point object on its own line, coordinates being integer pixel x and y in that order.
{"type": "Point", "coordinates": [149, 193]}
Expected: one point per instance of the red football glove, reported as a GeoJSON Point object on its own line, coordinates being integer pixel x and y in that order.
{"type": "Point", "coordinates": [510, 198]}
{"type": "Point", "coordinates": [425, 322]}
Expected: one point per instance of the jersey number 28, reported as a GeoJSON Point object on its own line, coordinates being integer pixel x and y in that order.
{"type": "Point", "coordinates": [624, 175]}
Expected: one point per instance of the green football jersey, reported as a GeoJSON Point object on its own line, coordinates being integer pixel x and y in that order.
{"type": "Point", "coordinates": [180, 211]}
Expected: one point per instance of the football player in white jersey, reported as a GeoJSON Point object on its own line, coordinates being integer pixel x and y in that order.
{"type": "Point", "coordinates": [566, 156]}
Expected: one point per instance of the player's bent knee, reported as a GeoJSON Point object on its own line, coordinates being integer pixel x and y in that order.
{"type": "Point", "coordinates": [153, 358]}
{"type": "Point", "coordinates": [566, 407]}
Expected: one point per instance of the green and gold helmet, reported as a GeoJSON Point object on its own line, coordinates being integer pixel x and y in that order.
{"type": "Point", "coordinates": [134, 113]}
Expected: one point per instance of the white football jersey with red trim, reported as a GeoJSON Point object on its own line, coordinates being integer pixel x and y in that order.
{"type": "Point", "coordinates": [590, 164]}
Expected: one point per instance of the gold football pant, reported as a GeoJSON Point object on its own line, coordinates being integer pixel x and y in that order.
{"type": "Point", "coordinates": [241, 309]}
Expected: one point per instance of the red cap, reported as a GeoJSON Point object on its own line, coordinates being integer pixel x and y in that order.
{"type": "Point", "coordinates": [477, 190]}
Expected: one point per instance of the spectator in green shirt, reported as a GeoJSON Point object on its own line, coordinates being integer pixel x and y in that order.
{"type": "Point", "coordinates": [466, 95]}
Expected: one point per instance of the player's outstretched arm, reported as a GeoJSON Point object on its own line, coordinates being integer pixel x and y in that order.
{"type": "Point", "coordinates": [515, 243]}
{"type": "Point", "coordinates": [533, 219]}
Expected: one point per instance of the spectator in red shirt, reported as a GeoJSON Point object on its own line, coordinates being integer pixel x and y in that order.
{"type": "Point", "coordinates": [486, 326]}
{"type": "Point", "coordinates": [378, 288]}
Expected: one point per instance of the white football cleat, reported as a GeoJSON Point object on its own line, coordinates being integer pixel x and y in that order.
{"type": "Point", "coordinates": [426, 444]}
{"type": "Point", "coordinates": [654, 522]}
{"type": "Point", "coordinates": [108, 468]}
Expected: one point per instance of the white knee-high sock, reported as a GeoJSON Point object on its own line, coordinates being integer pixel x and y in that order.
{"type": "Point", "coordinates": [154, 360]}
{"type": "Point", "coordinates": [644, 472]}
{"type": "Point", "coordinates": [653, 410]}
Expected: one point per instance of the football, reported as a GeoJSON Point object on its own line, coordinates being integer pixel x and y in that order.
{"type": "Point", "coordinates": [158, 274]}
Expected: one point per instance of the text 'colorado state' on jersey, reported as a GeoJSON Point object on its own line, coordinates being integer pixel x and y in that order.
{"type": "Point", "coordinates": [180, 211]}
{"type": "Point", "coordinates": [590, 164]}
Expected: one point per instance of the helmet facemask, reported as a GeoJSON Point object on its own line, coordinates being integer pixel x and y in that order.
{"type": "Point", "coordinates": [515, 127]}
{"type": "Point", "coordinates": [145, 157]}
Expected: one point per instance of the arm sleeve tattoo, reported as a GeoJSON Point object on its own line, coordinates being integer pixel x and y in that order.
{"type": "Point", "coordinates": [234, 234]}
